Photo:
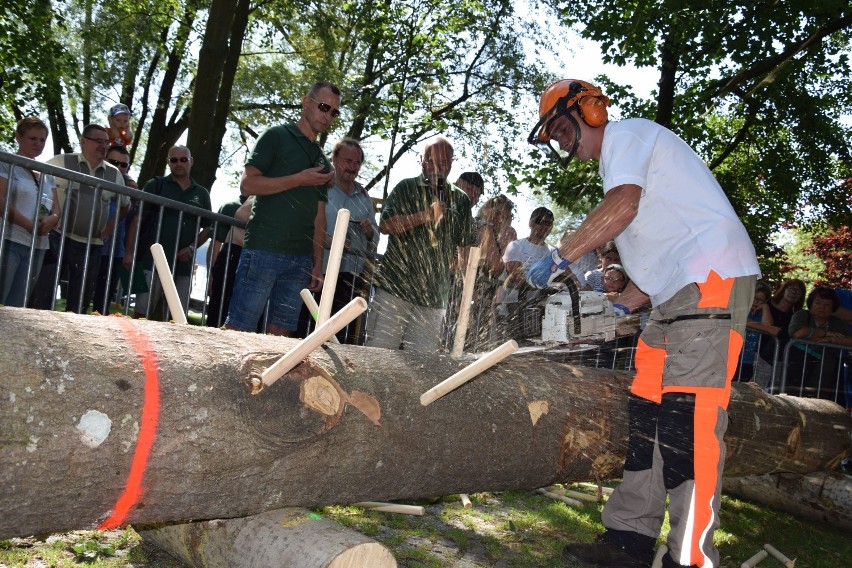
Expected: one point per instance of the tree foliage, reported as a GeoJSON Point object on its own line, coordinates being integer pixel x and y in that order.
{"type": "Point", "coordinates": [834, 249]}
{"type": "Point", "coordinates": [759, 89]}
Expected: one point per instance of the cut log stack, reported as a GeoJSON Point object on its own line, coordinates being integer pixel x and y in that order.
{"type": "Point", "coordinates": [108, 421]}
{"type": "Point", "coordinates": [280, 538]}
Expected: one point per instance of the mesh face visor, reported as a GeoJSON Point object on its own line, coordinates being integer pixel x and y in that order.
{"type": "Point", "coordinates": [557, 124]}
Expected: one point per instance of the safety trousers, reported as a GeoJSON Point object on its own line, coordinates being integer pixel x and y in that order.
{"type": "Point", "coordinates": [685, 360]}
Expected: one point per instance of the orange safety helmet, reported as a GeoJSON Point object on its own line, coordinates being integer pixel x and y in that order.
{"type": "Point", "coordinates": [566, 93]}
{"type": "Point", "coordinates": [559, 99]}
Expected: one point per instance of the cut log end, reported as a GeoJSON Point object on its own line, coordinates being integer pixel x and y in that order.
{"type": "Point", "coordinates": [370, 554]}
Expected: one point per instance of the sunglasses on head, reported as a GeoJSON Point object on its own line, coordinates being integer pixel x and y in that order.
{"type": "Point", "coordinates": [119, 163]}
{"type": "Point", "coordinates": [182, 160]}
{"type": "Point", "coordinates": [326, 108]}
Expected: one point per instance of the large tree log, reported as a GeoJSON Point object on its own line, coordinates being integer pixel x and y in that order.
{"type": "Point", "coordinates": [821, 496]}
{"type": "Point", "coordinates": [106, 421]}
{"type": "Point", "coordinates": [280, 538]}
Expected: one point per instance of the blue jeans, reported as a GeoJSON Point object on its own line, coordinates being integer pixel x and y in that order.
{"type": "Point", "coordinates": [13, 273]}
{"type": "Point", "coordinates": [268, 276]}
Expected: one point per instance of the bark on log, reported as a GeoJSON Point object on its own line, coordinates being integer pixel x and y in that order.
{"type": "Point", "coordinates": [821, 496]}
{"type": "Point", "coordinates": [107, 421]}
{"type": "Point", "coordinates": [282, 538]}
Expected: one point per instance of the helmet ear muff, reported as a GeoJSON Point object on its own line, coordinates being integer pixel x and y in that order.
{"type": "Point", "coordinates": [593, 111]}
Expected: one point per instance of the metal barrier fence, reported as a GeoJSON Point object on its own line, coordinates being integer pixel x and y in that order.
{"type": "Point", "coordinates": [806, 368]}
{"type": "Point", "coordinates": [58, 246]}
{"type": "Point", "coordinates": [817, 370]}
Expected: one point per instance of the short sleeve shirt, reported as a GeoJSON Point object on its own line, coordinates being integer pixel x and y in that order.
{"type": "Point", "coordinates": [685, 226]}
{"type": "Point", "coordinates": [284, 222]}
{"type": "Point", "coordinates": [417, 263]}
{"type": "Point", "coordinates": [173, 236]}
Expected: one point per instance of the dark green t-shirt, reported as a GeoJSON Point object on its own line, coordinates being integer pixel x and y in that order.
{"type": "Point", "coordinates": [229, 209]}
{"type": "Point", "coordinates": [416, 265]}
{"type": "Point", "coordinates": [193, 195]}
{"type": "Point", "coordinates": [284, 222]}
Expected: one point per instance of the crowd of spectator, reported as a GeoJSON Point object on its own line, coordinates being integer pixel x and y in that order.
{"type": "Point", "coordinates": [92, 243]}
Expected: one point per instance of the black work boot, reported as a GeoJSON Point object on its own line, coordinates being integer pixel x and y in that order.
{"type": "Point", "coordinates": [668, 562]}
{"type": "Point", "coordinates": [613, 549]}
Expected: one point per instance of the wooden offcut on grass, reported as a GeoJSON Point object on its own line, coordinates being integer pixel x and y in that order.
{"type": "Point", "coordinates": [510, 529]}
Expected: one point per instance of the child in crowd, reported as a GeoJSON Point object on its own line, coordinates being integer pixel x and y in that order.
{"type": "Point", "coordinates": [607, 254]}
{"type": "Point", "coordinates": [119, 130]}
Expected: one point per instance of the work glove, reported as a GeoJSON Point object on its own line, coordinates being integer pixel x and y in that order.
{"type": "Point", "coordinates": [620, 310]}
{"type": "Point", "coordinates": [541, 273]}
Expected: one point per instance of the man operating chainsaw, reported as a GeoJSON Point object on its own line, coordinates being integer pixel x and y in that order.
{"type": "Point", "coordinates": [685, 249]}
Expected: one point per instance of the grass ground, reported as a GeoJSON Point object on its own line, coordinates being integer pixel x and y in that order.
{"type": "Point", "coordinates": [515, 529]}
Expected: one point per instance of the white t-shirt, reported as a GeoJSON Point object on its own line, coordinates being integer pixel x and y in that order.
{"type": "Point", "coordinates": [525, 252]}
{"type": "Point", "coordinates": [24, 199]}
{"type": "Point", "coordinates": [685, 226]}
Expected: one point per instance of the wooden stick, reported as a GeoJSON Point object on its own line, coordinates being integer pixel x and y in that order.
{"type": "Point", "coordinates": [755, 560]}
{"type": "Point", "coordinates": [566, 500]}
{"type": "Point", "coordinates": [313, 308]}
{"type": "Point", "coordinates": [392, 508]}
{"type": "Point", "coordinates": [467, 297]}
{"type": "Point", "coordinates": [778, 556]}
{"type": "Point", "coordinates": [573, 494]}
{"type": "Point", "coordinates": [168, 283]}
{"type": "Point", "coordinates": [332, 269]}
{"type": "Point", "coordinates": [465, 501]}
{"type": "Point", "coordinates": [658, 558]}
{"type": "Point", "coordinates": [601, 488]}
{"type": "Point", "coordinates": [582, 496]}
{"type": "Point", "coordinates": [480, 365]}
{"type": "Point", "coordinates": [319, 336]}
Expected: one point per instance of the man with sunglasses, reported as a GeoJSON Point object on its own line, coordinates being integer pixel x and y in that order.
{"type": "Point", "coordinates": [180, 234]}
{"type": "Point", "coordinates": [684, 247]}
{"type": "Point", "coordinates": [428, 219]}
{"type": "Point", "coordinates": [288, 174]}
{"type": "Point", "coordinates": [87, 226]}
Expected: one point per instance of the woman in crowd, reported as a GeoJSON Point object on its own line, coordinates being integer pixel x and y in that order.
{"type": "Point", "coordinates": [788, 299]}
{"type": "Point", "coordinates": [494, 225]}
{"type": "Point", "coordinates": [28, 206]}
{"type": "Point", "coordinates": [810, 368]}
{"type": "Point", "coordinates": [759, 320]}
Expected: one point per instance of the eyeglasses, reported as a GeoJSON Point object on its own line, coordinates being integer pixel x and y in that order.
{"type": "Point", "coordinates": [98, 141]}
{"type": "Point", "coordinates": [326, 108]}
{"type": "Point", "coordinates": [182, 160]}
{"type": "Point", "coordinates": [612, 280]}
{"type": "Point", "coordinates": [119, 164]}
{"type": "Point", "coordinates": [439, 163]}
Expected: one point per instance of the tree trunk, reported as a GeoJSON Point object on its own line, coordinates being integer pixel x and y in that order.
{"type": "Point", "coordinates": [279, 538]}
{"type": "Point", "coordinates": [822, 496]}
{"type": "Point", "coordinates": [211, 100]}
{"type": "Point", "coordinates": [106, 421]}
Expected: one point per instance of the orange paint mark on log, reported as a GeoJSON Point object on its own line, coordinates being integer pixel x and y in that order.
{"type": "Point", "coordinates": [147, 432]}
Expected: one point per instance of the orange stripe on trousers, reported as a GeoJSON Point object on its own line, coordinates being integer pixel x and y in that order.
{"type": "Point", "coordinates": [147, 432]}
{"type": "Point", "coordinates": [648, 382]}
{"type": "Point", "coordinates": [707, 447]}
